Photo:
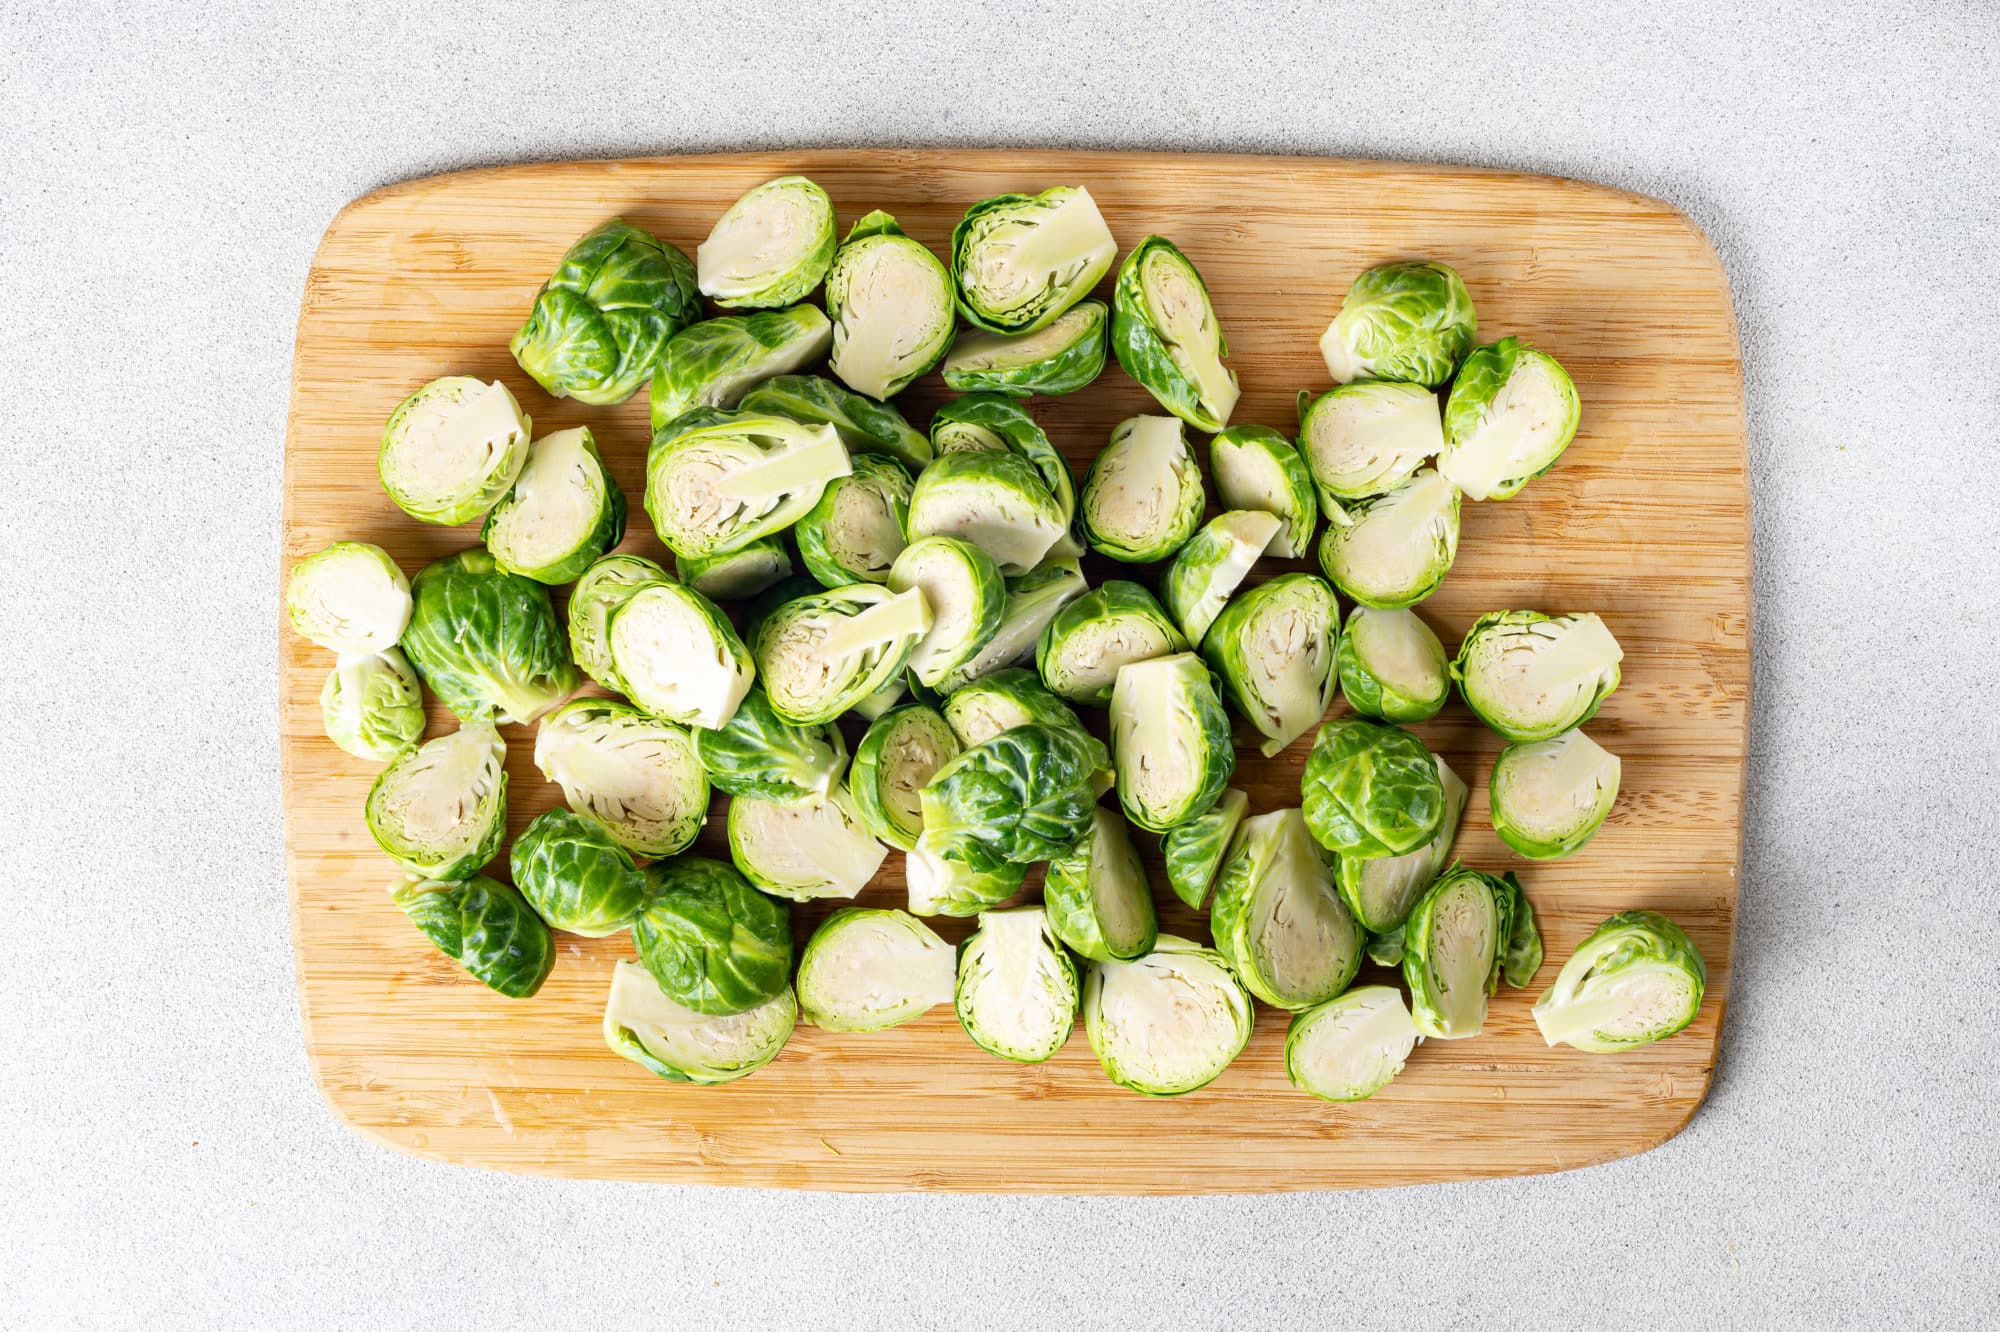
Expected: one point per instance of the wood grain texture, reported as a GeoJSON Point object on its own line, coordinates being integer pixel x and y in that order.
{"type": "Point", "coordinates": [1645, 520]}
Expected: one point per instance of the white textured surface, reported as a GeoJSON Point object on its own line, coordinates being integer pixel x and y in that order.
{"type": "Point", "coordinates": [166, 173]}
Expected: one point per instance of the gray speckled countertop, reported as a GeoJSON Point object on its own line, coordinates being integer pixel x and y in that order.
{"type": "Point", "coordinates": [167, 170]}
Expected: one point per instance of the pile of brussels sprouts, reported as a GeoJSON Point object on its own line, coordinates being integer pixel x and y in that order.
{"type": "Point", "coordinates": [919, 596]}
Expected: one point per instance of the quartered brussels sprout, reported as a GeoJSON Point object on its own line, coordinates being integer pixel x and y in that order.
{"type": "Point", "coordinates": [1511, 413]}
{"type": "Point", "coordinates": [863, 424]}
{"type": "Point", "coordinates": [1392, 666]}
{"type": "Point", "coordinates": [1274, 648]}
{"type": "Point", "coordinates": [1098, 899]}
{"type": "Point", "coordinates": [714, 943]}
{"type": "Point", "coordinates": [1277, 918]}
{"type": "Point", "coordinates": [452, 449]}
{"type": "Point", "coordinates": [678, 657]}
{"type": "Point", "coordinates": [637, 776]}
{"type": "Point", "coordinates": [1169, 1022]}
{"type": "Point", "coordinates": [1022, 796]}
{"type": "Point", "coordinates": [486, 641]}
{"type": "Point", "coordinates": [868, 970]}
{"type": "Point", "coordinates": [718, 361]}
{"type": "Point", "coordinates": [1466, 932]}
{"type": "Point", "coordinates": [1017, 989]}
{"type": "Point", "coordinates": [717, 481]}
{"type": "Point", "coordinates": [997, 501]}
{"type": "Point", "coordinates": [440, 810]}
{"type": "Point", "coordinates": [1143, 497]}
{"type": "Point", "coordinates": [1255, 467]}
{"type": "Point", "coordinates": [1194, 850]}
{"type": "Point", "coordinates": [895, 761]}
{"type": "Point", "coordinates": [1033, 600]}
{"type": "Point", "coordinates": [891, 303]}
{"type": "Point", "coordinates": [1408, 321]}
{"type": "Point", "coordinates": [562, 514]}
{"type": "Point", "coordinates": [820, 655]}
{"type": "Point", "coordinates": [1371, 790]}
{"type": "Point", "coordinates": [736, 575]}
{"type": "Point", "coordinates": [1551, 796]}
{"type": "Point", "coordinates": [1395, 549]}
{"type": "Point", "coordinates": [1000, 702]}
{"type": "Point", "coordinates": [771, 248]}
{"type": "Point", "coordinates": [1083, 648]}
{"type": "Point", "coordinates": [642, 1024]}
{"type": "Point", "coordinates": [1020, 260]}
{"type": "Point", "coordinates": [1211, 566]}
{"type": "Point", "coordinates": [372, 704]}
{"type": "Point", "coordinates": [576, 874]}
{"type": "Point", "coordinates": [350, 597]}
{"type": "Point", "coordinates": [604, 587]}
{"type": "Point", "coordinates": [855, 532]}
{"type": "Point", "coordinates": [1351, 1046]}
{"type": "Point", "coordinates": [1531, 676]}
{"type": "Point", "coordinates": [1061, 357]}
{"type": "Point", "coordinates": [760, 754]}
{"type": "Point", "coordinates": [803, 850]}
{"type": "Point", "coordinates": [967, 597]}
{"type": "Point", "coordinates": [1366, 439]}
{"type": "Point", "coordinates": [600, 320]}
{"type": "Point", "coordinates": [940, 886]}
{"type": "Point", "coordinates": [1638, 978]}
{"type": "Point", "coordinates": [1380, 890]}
{"type": "Point", "coordinates": [1169, 741]}
{"type": "Point", "coordinates": [1168, 338]}
{"type": "Point", "coordinates": [484, 926]}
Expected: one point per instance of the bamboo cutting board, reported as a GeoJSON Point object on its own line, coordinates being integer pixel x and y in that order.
{"type": "Point", "coordinates": [1645, 520]}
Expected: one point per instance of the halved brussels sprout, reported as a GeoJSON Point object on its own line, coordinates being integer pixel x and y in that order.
{"type": "Point", "coordinates": [1255, 467]}
{"type": "Point", "coordinates": [820, 655]}
{"type": "Point", "coordinates": [1366, 439]}
{"type": "Point", "coordinates": [484, 926]}
{"type": "Point", "coordinates": [678, 657]}
{"type": "Point", "coordinates": [868, 970]}
{"type": "Point", "coordinates": [863, 424]}
{"type": "Point", "coordinates": [452, 449]}
{"type": "Point", "coordinates": [1277, 919]}
{"type": "Point", "coordinates": [940, 886]}
{"type": "Point", "coordinates": [486, 641]}
{"type": "Point", "coordinates": [1396, 548]}
{"type": "Point", "coordinates": [1194, 850]}
{"type": "Point", "coordinates": [1466, 932]}
{"type": "Point", "coordinates": [350, 597]}
{"type": "Point", "coordinates": [1409, 321]}
{"type": "Point", "coordinates": [440, 810]}
{"type": "Point", "coordinates": [761, 754]}
{"type": "Point", "coordinates": [372, 704]}
{"type": "Point", "coordinates": [1169, 741]}
{"type": "Point", "coordinates": [895, 761]}
{"type": "Point", "coordinates": [890, 299]}
{"type": "Point", "coordinates": [600, 320]}
{"type": "Point", "coordinates": [1380, 890]}
{"type": "Point", "coordinates": [1017, 989]}
{"type": "Point", "coordinates": [1099, 900]}
{"type": "Point", "coordinates": [604, 587]}
{"type": "Point", "coordinates": [1274, 648]}
{"type": "Point", "coordinates": [1511, 413]}
{"type": "Point", "coordinates": [1059, 358]}
{"type": "Point", "coordinates": [1022, 796]}
{"type": "Point", "coordinates": [1143, 497]}
{"type": "Point", "coordinates": [1168, 338]}
{"type": "Point", "coordinates": [717, 481]}
{"type": "Point", "coordinates": [1000, 702]}
{"type": "Point", "coordinates": [1392, 666]}
{"type": "Point", "coordinates": [1020, 260]}
{"type": "Point", "coordinates": [637, 776]}
{"type": "Point", "coordinates": [771, 248]}
{"type": "Point", "coordinates": [1211, 566]}
{"type": "Point", "coordinates": [1083, 648]}
{"type": "Point", "coordinates": [735, 575]}
{"type": "Point", "coordinates": [995, 423]}
{"type": "Point", "coordinates": [967, 597]}
{"type": "Point", "coordinates": [576, 875]}
{"type": "Point", "coordinates": [716, 362]}
{"type": "Point", "coordinates": [714, 943]}
{"type": "Point", "coordinates": [562, 514]}
{"type": "Point", "coordinates": [1637, 979]}
{"type": "Point", "coordinates": [1551, 796]}
{"type": "Point", "coordinates": [1531, 676]}
{"type": "Point", "coordinates": [855, 532]}
{"type": "Point", "coordinates": [1169, 1022]}
{"type": "Point", "coordinates": [1033, 600]}
{"type": "Point", "coordinates": [1351, 1046]}
{"type": "Point", "coordinates": [803, 850]}
{"type": "Point", "coordinates": [642, 1024]}
{"type": "Point", "coordinates": [1371, 790]}
{"type": "Point", "coordinates": [997, 501]}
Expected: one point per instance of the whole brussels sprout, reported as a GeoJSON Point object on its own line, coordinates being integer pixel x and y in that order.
{"type": "Point", "coordinates": [372, 704]}
{"type": "Point", "coordinates": [1255, 467]}
{"type": "Point", "coordinates": [1033, 600]}
{"type": "Point", "coordinates": [1409, 321]}
{"type": "Point", "coordinates": [1099, 901]}
{"type": "Point", "coordinates": [771, 248]}
{"type": "Point", "coordinates": [869, 970]}
{"type": "Point", "coordinates": [1366, 439]}
{"type": "Point", "coordinates": [1274, 648]}
{"type": "Point", "coordinates": [1083, 648]}
{"type": "Point", "coordinates": [997, 501]}
{"type": "Point", "coordinates": [637, 776]}
{"type": "Point", "coordinates": [1167, 1023]}
{"type": "Point", "coordinates": [678, 657]}
{"type": "Point", "coordinates": [896, 759]}
{"type": "Point", "coordinates": [1466, 932]}
{"type": "Point", "coordinates": [863, 424]}
{"type": "Point", "coordinates": [1017, 990]}
{"type": "Point", "coordinates": [996, 423]}
{"type": "Point", "coordinates": [1194, 850]}
{"type": "Point", "coordinates": [1169, 741]}
{"type": "Point", "coordinates": [486, 641]}
{"type": "Point", "coordinates": [1381, 890]}
{"type": "Point", "coordinates": [452, 448]}
{"type": "Point", "coordinates": [1061, 357]}
{"type": "Point", "coordinates": [1021, 260]}
{"type": "Point", "coordinates": [1277, 918]}
{"type": "Point", "coordinates": [736, 574]}
{"type": "Point", "coordinates": [1392, 666]}
{"type": "Point", "coordinates": [760, 754]}
{"type": "Point", "coordinates": [484, 926]}
{"type": "Point", "coordinates": [1637, 979]}
{"type": "Point", "coordinates": [1022, 796]}
{"type": "Point", "coordinates": [714, 943]}
{"type": "Point", "coordinates": [940, 886]}
{"type": "Point", "coordinates": [1531, 676]}
{"type": "Point", "coordinates": [717, 362]}
{"type": "Point", "coordinates": [820, 655]}
{"type": "Point", "coordinates": [855, 532]}
{"type": "Point", "coordinates": [576, 874]}
{"type": "Point", "coordinates": [1351, 1046]}
{"type": "Point", "coordinates": [643, 1025]}
{"type": "Point", "coordinates": [599, 322]}
{"type": "Point", "coordinates": [562, 514]}
{"type": "Point", "coordinates": [440, 810]}
{"type": "Point", "coordinates": [1551, 796]}
{"type": "Point", "coordinates": [967, 597]}
{"type": "Point", "coordinates": [604, 587]}
{"type": "Point", "coordinates": [1209, 568]}
{"type": "Point", "coordinates": [1512, 412]}
{"type": "Point", "coordinates": [717, 481]}
{"type": "Point", "coordinates": [1168, 338]}
{"type": "Point", "coordinates": [891, 303]}
{"type": "Point", "coordinates": [1395, 549]}
{"type": "Point", "coordinates": [1143, 497]}
{"type": "Point", "coordinates": [350, 597]}
{"type": "Point", "coordinates": [1371, 790]}
{"type": "Point", "coordinates": [803, 850]}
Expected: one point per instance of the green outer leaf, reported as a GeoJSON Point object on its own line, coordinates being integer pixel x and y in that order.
{"type": "Point", "coordinates": [826, 554]}
{"type": "Point", "coordinates": [891, 755]}
{"type": "Point", "coordinates": [660, 817]}
{"type": "Point", "coordinates": [1409, 321]}
{"type": "Point", "coordinates": [1419, 934]}
{"type": "Point", "coordinates": [850, 679]}
{"type": "Point", "coordinates": [1056, 296]}
{"type": "Point", "coordinates": [879, 232]}
{"type": "Point", "coordinates": [823, 949]}
{"type": "Point", "coordinates": [761, 754]}
{"type": "Point", "coordinates": [1490, 635]}
{"type": "Point", "coordinates": [1144, 353]}
{"type": "Point", "coordinates": [1485, 372]}
{"type": "Point", "coordinates": [603, 588]}
{"type": "Point", "coordinates": [1193, 851]}
{"type": "Point", "coordinates": [1201, 724]}
{"type": "Point", "coordinates": [735, 575]}
{"type": "Point", "coordinates": [486, 641]}
{"type": "Point", "coordinates": [1065, 369]}
{"type": "Point", "coordinates": [954, 576]}
{"type": "Point", "coordinates": [606, 530]}
{"type": "Point", "coordinates": [972, 968]}
{"type": "Point", "coordinates": [1418, 582]}
{"type": "Point", "coordinates": [1022, 796]}
{"type": "Point", "coordinates": [1371, 790]}
{"type": "Point", "coordinates": [1423, 865]}
{"type": "Point", "coordinates": [724, 442]}
{"type": "Point", "coordinates": [1643, 940]}
{"type": "Point", "coordinates": [1078, 884]}
{"type": "Point", "coordinates": [714, 943]}
{"type": "Point", "coordinates": [1522, 956]}
{"type": "Point", "coordinates": [1233, 647]}
{"type": "Point", "coordinates": [1239, 456]}
{"type": "Point", "coordinates": [794, 283]}
{"type": "Point", "coordinates": [1115, 606]}
{"type": "Point", "coordinates": [1372, 696]}
{"type": "Point", "coordinates": [475, 838]}
{"type": "Point", "coordinates": [599, 322]}
{"type": "Point", "coordinates": [486, 927]}
{"type": "Point", "coordinates": [714, 363]}
{"type": "Point", "coordinates": [1336, 1010]}
{"type": "Point", "coordinates": [1180, 512]}
{"type": "Point", "coordinates": [623, 1041]}
{"type": "Point", "coordinates": [864, 425]}
{"type": "Point", "coordinates": [1238, 927]}
{"type": "Point", "coordinates": [1386, 950]}
{"type": "Point", "coordinates": [1206, 963]}
{"type": "Point", "coordinates": [489, 476]}
{"type": "Point", "coordinates": [372, 705]}
{"type": "Point", "coordinates": [576, 875]}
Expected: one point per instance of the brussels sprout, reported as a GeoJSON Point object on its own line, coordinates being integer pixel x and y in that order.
{"type": "Point", "coordinates": [997, 501]}
{"type": "Point", "coordinates": [1395, 549]}
{"type": "Point", "coordinates": [604, 587]}
{"type": "Point", "coordinates": [1531, 676]}
{"type": "Point", "coordinates": [1371, 790]}
{"type": "Point", "coordinates": [1143, 497]}
{"type": "Point", "coordinates": [717, 481]}
{"type": "Point", "coordinates": [855, 532]}
{"type": "Point", "coordinates": [576, 874]}
{"type": "Point", "coordinates": [1551, 796]}
{"type": "Point", "coordinates": [440, 810]}
{"type": "Point", "coordinates": [452, 449]}
{"type": "Point", "coordinates": [1169, 741]}
{"type": "Point", "coordinates": [1465, 932]}
{"type": "Point", "coordinates": [1511, 413]}
{"type": "Point", "coordinates": [1274, 648]}
{"type": "Point", "coordinates": [642, 1024]}
{"type": "Point", "coordinates": [638, 777]}
{"type": "Point", "coordinates": [820, 655]}
{"type": "Point", "coordinates": [1386, 950]}
{"type": "Point", "coordinates": [1168, 338]}
{"type": "Point", "coordinates": [1033, 600]}
{"type": "Point", "coordinates": [1194, 850]}
{"type": "Point", "coordinates": [890, 299]}
{"type": "Point", "coordinates": [735, 575]}
{"type": "Point", "coordinates": [1366, 439]}
{"type": "Point", "coordinates": [1000, 702]}
{"type": "Point", "coordinates": [600, 320]}
{"type": "Point", "coordinates": [868, 970]}
{"type": "Point", "coordinates": [562, 514]}
{"type": "Point", "coordinates": [993, 422]}
{"type": "Point", "coordinates": [803, 850]}
{"type": "Point", "coordinates": [771, 248]}
{"type": "Point", "coordinates": [1017, 989]}
{"type": "Point", "coordinates": [350, 597]}
{"type": "Point", "coordinates": [895, 760]}
{"type": "Point", "coordinates": [716, 362]}
{"type": "Point", "coordinates": [1166, 1023]}
{"type": "Point", "coordinates": [1022, 796]}
{"type": "Point", "coordinates": [1381, 890]}
{"type": "Point", "coordinates": [372, 704]}
{"type": "Point", "coordinates": [879, 702]}
{"type": "Point", "coordinates": [1213, 565]}
{"type": "Point", "coordinates": [1392, 666]}
{"type": "Point", "coordinates": [1021, 260]}
{"type": "Point", "coordinates": [678, 656]}
{"type": "Point", "coordinates": [1255, 467]}
{"type": "Point", "coordinates": [863, 424]}
{"type": "Point", "coordinates": [1637, 979]}
{"type": "Point", "coordinates": [1059, 358]}
{"type": "Point", "coordinates": [967, 597]}
{"type": "Point", "coordinates": [1408, 321]}
{"type": "Point", "coordinates": [1092, 637]}
{"type": "Point", "coordinates": [1277, 919]}
{"type": "Point", "coordinates": [484, 926]}
{"type": "Point", "coordinates": [760, 754]}
{"type": "Point", "coordinates": [1098, 898]}
{"type": "Point", "coordinates": [940, 886]}
{"type": "Point", "coordinates": [486, 641]}
{"type": "Point", "coordinates": [1351, 1046]}
{"type": "Point", "coordinates": [714, 943]}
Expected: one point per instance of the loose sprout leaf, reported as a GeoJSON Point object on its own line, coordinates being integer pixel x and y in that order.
{"type": "Point", "coordinates": [562, 514]}
{"type": "Point", "coordinates": [1061, 357]}
{"type": "Point", "coordinates": [350, 597]}
{"type": "Point", "coordinates": [440, 810]}
{"type": "Point", "coordinates": [1409, 321]}
{"type": "Point", "coordinates": [1084, 646]}
{"type": "Point", "coordinates": [1255, 467]}
{"type": "Point", "coordinates": [1169, 741]}
{"type": "Point", "coordinates": [599, 323]}
{"type": "Point", "coordinates": [678, 656]}
{"type": "Point", "coordinates": [758, 753]}
{"type": "Point", "coordinates": [1277, 918]}
{"type": "Point", "coordinates": [1512, 412]}
{"type": "Point", "coordinates": [1392, 666]}
{"type": "Point", "coordinates": [891, 303]}
{"type": "Point", "coordinates": [372, 704]}
{"type": "Point", "coordinates": [603, 588]}
{"type": "Point", "coordinates": [1351, 1046]}
{"type": "Point", "coordinates": [1209, 568]}
{"type": "Point", "coordinates": [863, 424]}
{"type": "Point", "coordinates": [643, 1025]}
{"type": "Point", "coordinates": [868, 970]}
{"type": "Point", "coordinates": [1274, 647]}
{"type": "Point", "coordinates": [1371, 790]}
{"type": "Point", "coordinates": [1531, 676]}
{"type": "Point", "coordinates": [636, 775]}
{"type": "Point", "coordinates": [1395, 549]}
{"type": "Point", "coordinates": [1143, 498]}
{"type": "Point", "coordinates": [1638, 978]}
{"type": "Point", "coordinates": [902, 750]}
{"type": "Point", "coordinates": [576, 874]}
{"type": "Point", "coordinates": [485, 641]}
{"type": "Point", "coordinates": [1167, 337]}
{"type": "Point", "coordinates": [714, 943]}
{"type": "Point", "coordinates": [1549, 797]}
{"type": "Point", "coordinates": [1167, 1023]}
{"type": "Point", "coordinates": [484, 926]}
{"type": "Point", "coordinates": [803, 850]}
{"type": "Point", "coordinates": [1017, 991]}
{"type": "Point", "coordinates": [770, 248]}
{"type": "Point", "coordinates": [1194, 850]}
{"type": "Point", "coordinates": [1098, 898]}
{"type": "Point", "coordinates": [717, 362]}
{"type": "Point", "coordinates": [1366, 439]}
{"type": "Point", "coordinates": [452, 448]}
{"type": "Point", "coordinates": [1020, 260]}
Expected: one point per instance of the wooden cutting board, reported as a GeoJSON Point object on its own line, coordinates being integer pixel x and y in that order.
{"type": "Point", "coordinates": [1645, 520]}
